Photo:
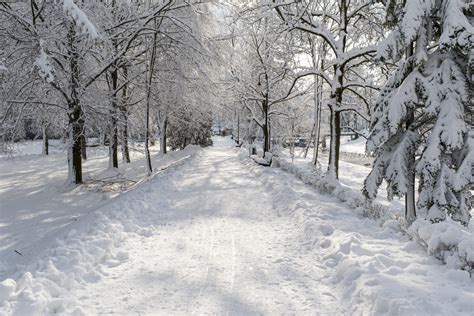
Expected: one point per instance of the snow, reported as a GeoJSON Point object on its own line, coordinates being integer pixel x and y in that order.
{"type": "Point", "coordinates": [218, 234]}
{"type": "Point", "coordinates": [263, 161]}
{"type": "Point", "coordinates": [84, 24]}
{"type": "Point", "coordinates": [36, 207]}
{"type": "Point", "coordinates": [376, 269]}
{"type": "Point", "coordinates": [46, 71]}
{"type": "Point", "coordinates": [356, 146]}
{"type": "Point", "coordinates": [434, 80]}
{"type": "Point", "coordinates": [448, 241]}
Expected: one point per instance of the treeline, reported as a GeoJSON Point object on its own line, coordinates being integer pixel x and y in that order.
{"type": "Point", "coordinates": [396, 72]}
{"type": "Point", "coordinates": [111, 70]}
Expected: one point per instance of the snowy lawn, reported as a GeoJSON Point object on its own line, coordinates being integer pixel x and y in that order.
{"type": "Point", "coordinates": [36, 206]}
{"type": "Point", "coordinates": [219, 234]}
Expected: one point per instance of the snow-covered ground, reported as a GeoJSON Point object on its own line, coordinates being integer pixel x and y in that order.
{"type": "Point", "coordinates": [35, 205]}
{"type": "Point", "coordinates": [356, 146]}
{"type": "Point", "coordinates": [218, 234]}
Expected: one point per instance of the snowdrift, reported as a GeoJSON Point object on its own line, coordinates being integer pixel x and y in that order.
{"type": "Point", "coordinates": [448, 241]}
{"type": "Point", "coordinates": [371, 264]}
{"type": "Point", "coordinates": [79, 257]}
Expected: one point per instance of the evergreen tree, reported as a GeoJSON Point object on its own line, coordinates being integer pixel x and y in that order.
{"type": "Point", "coordinates": [423, 106]}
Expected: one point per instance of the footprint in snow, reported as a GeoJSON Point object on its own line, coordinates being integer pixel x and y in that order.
{"type": "Point", "coordinates": [327, 230]}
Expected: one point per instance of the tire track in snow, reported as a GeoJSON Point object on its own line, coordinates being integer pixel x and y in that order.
{"type": "Point", "coordinates": [233, 263]}
{"type": "Point", "coordinates": [211, 251]}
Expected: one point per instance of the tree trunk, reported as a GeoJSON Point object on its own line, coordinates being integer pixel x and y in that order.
{"type": "Point", "coordinates": [124, 119]}
{"type": "Point", "coordinates": [317, 120]}
{"type": "Point", "coordinates": [308, 143]}
{"type": "Point", "coordinates": [292, 142]}
{"type": "Point", "coordinates": [148, 96]}
{"type": "Point", "coordinates": [318, 95]}
{"type": "Point", "coordinates": [410, 208]}
{"type": "Point", "coordinates": [125, 147]}
{"type": "Point", "coordinates": [238, 128]}
{"type": "Point", "coordinates": [265, 128]}
{"type": "Point", "coordinates": [147, 136]}
{"type": "Point", "coordinates": [74, 152]}
{"type": "Point", "coordinates": [266, 145]}
{"type": "Point", "coordinates": [103, 137]}
{"type": "Point", "coordinates": [83, 145]}
{"type": "Point", "coordinates": [336, 97]}
{"type": "Point", "coordinates": [75, 113]}
{"type": "Point", "coordinates": [164, 125]}
{"type": "Point", "coordinates": [45, 141]}
{"type": "Point", "coordinates": [113, 143]}
{"type": "Point", "coordinates": [317, 135]}
{"type": "Point", "coordinates": [335, 124]}
{"type": "Point", "coordinates": [335, 143]}
{"type": "Point", "coordinates": [113, 138]}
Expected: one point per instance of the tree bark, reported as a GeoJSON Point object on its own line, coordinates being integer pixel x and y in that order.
{"type": "Point", "coordinates": [318, 96]}
{"type": "Point", "coordinates": [45, 140]}
{"type": "Point", "coordinates": [147, 136]}
{"type": "Point", "coordinates": [335, 143]}
{"type": "Point", "coordinates": [124, 135]}
{"type": "Point", "coordinates": [317, 133]}
{"type": "Point", "coordinates": [74, 154]}
{"type": "Point", "coordinates": [265, 128]}
{"type": "Point", "coordinates": [163, 137]}
{"type": "Point", "coordinates": [336, 98]}
{"type": "Point", "coordinates": [113, 138]}
{"type": "Point", "coordinates": [75, 113]}
{"type": "Point", "coordinates": [83, 145]}
{"type": "Point", "coordinates": [410, 208]}
{"type": "Point", "coordinates": [148, 96]}
{"type": "Point", "coordinates": [124, 119]}
{"type": "Point", "coordinates": [238, 128]}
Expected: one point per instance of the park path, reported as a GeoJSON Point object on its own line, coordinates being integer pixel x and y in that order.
{"type": "Point", "coordinates": [221, 249]}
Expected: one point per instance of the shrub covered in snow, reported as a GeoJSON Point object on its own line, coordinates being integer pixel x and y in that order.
{"type": "Point", "coordinates": [448, 241]}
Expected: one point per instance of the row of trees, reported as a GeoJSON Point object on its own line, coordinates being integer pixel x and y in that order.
{"type": "Point", "coordinates": [122, 70]}
{"type": "Point", "coordinates": [109, 69]}
{"type": "Point", "coordinates": [414, 87]}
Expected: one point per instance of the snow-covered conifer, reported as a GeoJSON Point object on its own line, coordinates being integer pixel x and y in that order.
{"type": "Point", "coordinates": [422, 106]}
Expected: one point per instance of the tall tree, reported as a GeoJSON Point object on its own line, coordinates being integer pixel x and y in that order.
{"type": "Point", "coordinates": [423, 106]}
{"type": "Point", "coordinates": [349, 30]}
{"type": "Point", "coordinates": [262, 69]}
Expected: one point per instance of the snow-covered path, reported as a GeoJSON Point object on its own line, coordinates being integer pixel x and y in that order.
{"type": "Point", "coordinates": [217, 234]}
{"type": "Point", "coordinates": [221, 248]}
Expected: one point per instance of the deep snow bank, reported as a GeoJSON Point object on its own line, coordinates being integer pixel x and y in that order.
{"type": "Point", "coordinates": [78, 258]}
{"type": "Point", "coordinates": [447, 241]}
{"type": "Point", "coordinates": [372, 266]}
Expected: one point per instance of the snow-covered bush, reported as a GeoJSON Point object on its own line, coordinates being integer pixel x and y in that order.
{"type": "Point", "coordinates": [448, 241]}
